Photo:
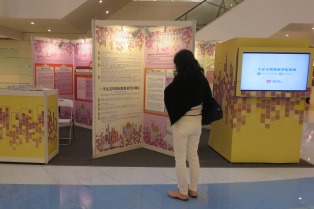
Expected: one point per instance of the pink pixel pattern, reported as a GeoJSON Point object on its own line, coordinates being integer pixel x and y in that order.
{"type": "Point", "coordinates": [21, 127]}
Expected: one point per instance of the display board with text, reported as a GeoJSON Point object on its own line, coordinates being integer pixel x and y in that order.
{"type": "Point", "coordinates": [133, 64]}
{"type": "Point", "coordinates": [66, 65]}
{"type": "Point", "coordinates": [53, 65]}
{"type": "Point", "coordinates": [83, 82]}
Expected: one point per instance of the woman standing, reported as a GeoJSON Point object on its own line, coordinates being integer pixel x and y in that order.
{"type": "Point", "coordinates": [183, 99]}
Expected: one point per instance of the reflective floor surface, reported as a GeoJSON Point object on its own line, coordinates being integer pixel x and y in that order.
{"type": "Point", "coordinates": [72, 187]}
{"type": "Point", "coordinates": [307, 147]}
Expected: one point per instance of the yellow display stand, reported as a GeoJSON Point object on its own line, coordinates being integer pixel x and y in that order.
{"type": "Point", "coordinates": [28, 125]}
{"type": "Point", "coordinates": [258, 126]}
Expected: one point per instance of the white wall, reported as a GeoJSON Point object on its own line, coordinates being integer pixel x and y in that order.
{"type": "Point", "coordinates": [159, 10]}
{"type": "Point", "coordinates": [15, 63]}
{"type": "Point", "coordinates": [258, 19]}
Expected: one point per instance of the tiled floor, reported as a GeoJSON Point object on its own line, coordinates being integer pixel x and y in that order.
{"type": "Point", "coordinates": [71, 187]}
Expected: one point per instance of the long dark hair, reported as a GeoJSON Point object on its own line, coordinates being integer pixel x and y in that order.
{"type": "Point", "coordinates": [186, 64]}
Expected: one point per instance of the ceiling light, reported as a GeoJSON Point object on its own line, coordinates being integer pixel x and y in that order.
{"type": "Point", "coordinates": [107, 12]}
{"type": "Point", "coordinates": [100, 1]}
{"type": "Point", "coordinates": [313, 28]}
{"type": "Point", "coordinates": [287, 35]}
{"type": "Point", "coordinates": [32, 23]}
{"type": "Point", "coordinates": [49, 30]}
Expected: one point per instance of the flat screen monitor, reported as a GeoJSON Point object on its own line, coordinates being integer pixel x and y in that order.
{"type": "Point", "coordinates": [274, 70]}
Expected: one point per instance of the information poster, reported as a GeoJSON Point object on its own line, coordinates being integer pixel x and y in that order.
{"type": "Point", "coordinates": [83, 53]}
{"type": "Point", "coordinates": [118, 89]}
{"type": "Point", "coordinates": [57, 62]}
{"type": "Point", "coordinates": [83, 114]}
{"type": "Point", "coordinates": [64, 79]}
{"type": "Point", "coordinates": [84, 88]}
{"type": "Point", "coordinates": [210, 62]}
{"type": "Point", "coordinates": [53, 61]}
{"type": "Point", "coordinates": [200, 52]}
{"type": "Point", "coordinates": [45, 76]}
{"type": "Point", "coordinates": [159, 52]}
{"type": "Point", "coordinates": [83, 57]}
{"type": "Point", "coordinates": [157, 127]}
{"type": "Point", "coordinates": [164, 43]}
{"type": "Point", "coordinates": [154, 90]}
{"type": "Point", "coordinates": [55, 76]}
{"type": "Point", "coordinates": [205, 55]}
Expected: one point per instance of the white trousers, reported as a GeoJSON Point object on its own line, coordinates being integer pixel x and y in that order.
{"type": "Point", "coordinates": [186, 136]}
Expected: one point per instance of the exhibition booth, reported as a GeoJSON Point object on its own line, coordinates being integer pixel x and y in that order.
{"type": "Point", "coordinates": [62, 69]}
{"type": "Point", "coordinates": [117, 80]}
{"type": "Point", "coordinates": [262, 85]}
{"type": "Point", "coordinates": [133, 64]}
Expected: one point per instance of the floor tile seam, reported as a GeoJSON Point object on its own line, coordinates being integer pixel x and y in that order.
{"type": "Point", "coordinates": [117, 171]}
{"type": "Point", "coordinates": [59, 176]}
{"type": "Point", "coordinates": [237, 180]}
{"type": "Point", "coordinates": [52, 176]}
{"type": "Point", "coordinates": [25, 173]}
{"type": "Point", "coordinates": [162, 173]}
{"type": "Point", "coordinates": [97, 176]}
{"type": "Point", "coordinates": [282, 178]}
{"type": "Point", "coordinates": [218, 175]}
{"type": "Point", "coordinates": [296, 172]}
{"type": "Point", "coordinates": [76, 170]}
{"type": "Point", "coordinates": [262, 172]}
{"type": "Point", "coordinates": [147, 172]}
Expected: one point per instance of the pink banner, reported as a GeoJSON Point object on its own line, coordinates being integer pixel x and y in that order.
{"type": "Point", "coordinates": [83, 53]}
{"type": "Point", "coordinates": [52, 51]}
{"type": "Point", "coordinates": [164, 43]}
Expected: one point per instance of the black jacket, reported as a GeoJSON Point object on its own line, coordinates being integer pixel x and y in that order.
{"type": "Point", "coordinates": [185, 92]}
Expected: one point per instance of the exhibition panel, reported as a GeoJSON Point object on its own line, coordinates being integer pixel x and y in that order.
{"type": "Point", "coordinates": [66, 65]}
{"type": "Point", "coordinates": [133, 64]}
{"type": "Point", "coordinates": [263, 120]}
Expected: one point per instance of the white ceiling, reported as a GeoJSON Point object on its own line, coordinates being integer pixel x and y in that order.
{"type": "Point", "coordinates": [297, 30]}
{"type": "Point", "coordinates": [73, 17]}
{"type": "Point", "coordinates": [263, 19]}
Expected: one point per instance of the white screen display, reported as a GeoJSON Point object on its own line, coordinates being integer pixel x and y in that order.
{"type": "Point", "coordinates": [274, 71]}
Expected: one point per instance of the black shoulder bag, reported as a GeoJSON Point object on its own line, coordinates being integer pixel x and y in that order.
{"type": "Point", "coordinates": [211, 112]}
